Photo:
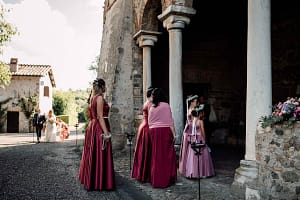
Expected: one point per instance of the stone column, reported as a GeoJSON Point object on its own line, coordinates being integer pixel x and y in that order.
{"type": "Point", "coordinates": [146, 40]}
{"type": "Point", "coordinates": [259, 88]}
{"type": "Point", "coordinates": [259, 72]}
{"type": "Point", "coordinates": [175, 18]}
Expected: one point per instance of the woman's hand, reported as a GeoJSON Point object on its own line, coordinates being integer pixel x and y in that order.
{"type": "Point", "coordinates": [106, 136]}
{"type": "Point", "coordinates": [174, 138]}
{"type": "Point", "coordinates": [173, 133]}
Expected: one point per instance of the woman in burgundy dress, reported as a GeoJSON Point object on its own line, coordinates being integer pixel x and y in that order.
{"type": "Point", "coordinates": [142, 154]}
{"type": "Point", "coordinates": [96, 167]}
{"type": "Point", "coordinates": [162, 132]}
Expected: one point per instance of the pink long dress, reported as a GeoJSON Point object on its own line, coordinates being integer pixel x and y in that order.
{"type": "Point", "coordinates": [163, 156]}
{"type": "Point", "coordinates": [188, 161]}
{"type": "Point", "coordinates": [65, 131]}
{"type": "Point", "coordinates": [96, 167]}
{"type": "Point", "coordinates": [142, 154]}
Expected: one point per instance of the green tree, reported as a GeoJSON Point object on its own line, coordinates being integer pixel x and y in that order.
{"type": "Point", "coordinates": [71, 103]}
{"type": "Point", "coordinates": [4, 75]}
{"type": "Point", "coordinates": [59, 104]}
{"type": "Point", "coordinates": [7, 30]}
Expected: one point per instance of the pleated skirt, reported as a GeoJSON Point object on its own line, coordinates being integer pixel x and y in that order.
{"type": "Point", "coordinates": [142, 156]}
{"type": "Point", "coordinates": [96, 170]}
{"type": "Point", "coordinates": [163, 158]}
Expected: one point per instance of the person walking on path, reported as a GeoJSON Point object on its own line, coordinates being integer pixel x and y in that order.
{"type": "Point", "coordinates": [162, 132]}
{"type": "Point", "coordinates": [188, 161]}
{"type": "Point", "coordinates": [96, 170]}
{"type": "Point", "coordinates": [38, 122]}
{"type": "Point", "coordinates": [50, 131]}
{"type": "Point", "coordinates": [142, 153]}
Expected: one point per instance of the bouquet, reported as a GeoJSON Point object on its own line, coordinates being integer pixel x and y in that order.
{"type": "Point", "coordinates": [286, 113]}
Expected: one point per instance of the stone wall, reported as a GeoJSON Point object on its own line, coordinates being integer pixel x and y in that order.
{"type": "Point", "coordinates": [116, 67]}
{"type": "Point", "coordinates": [278, 157]}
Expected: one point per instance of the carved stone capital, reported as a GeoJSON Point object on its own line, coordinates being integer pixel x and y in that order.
{"type": "Point", "coordinates": [146, 38]}
{"type": "Point", "coordinates": [176, 17]}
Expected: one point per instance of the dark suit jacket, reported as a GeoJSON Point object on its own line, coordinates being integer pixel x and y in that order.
{"type": "Point", "coordinates": [38, 120]}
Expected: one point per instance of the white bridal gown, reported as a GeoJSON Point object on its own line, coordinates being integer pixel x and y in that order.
{"type": "Point", "coordinates": [50, 132]}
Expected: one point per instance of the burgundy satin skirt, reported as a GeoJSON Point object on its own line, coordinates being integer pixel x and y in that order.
{"type": "Point", "coordinates": [142, 155]}
{"type": "Point", "coordinates": [163, 158]}
{"type": "Point", "coordinates": [96, 167]}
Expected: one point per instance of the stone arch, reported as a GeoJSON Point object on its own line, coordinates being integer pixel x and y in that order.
{"type": "Point", "coordinates": [150, 9]}
{"type": "Point", "coordinates": [149, 20]}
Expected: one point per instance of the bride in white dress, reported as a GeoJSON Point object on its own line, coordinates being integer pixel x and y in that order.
{"type": "Point", "coordinates": [50, 131]}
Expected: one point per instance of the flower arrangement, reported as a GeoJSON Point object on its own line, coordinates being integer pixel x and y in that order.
{"type": "Point", "coordinates": [286, 113]}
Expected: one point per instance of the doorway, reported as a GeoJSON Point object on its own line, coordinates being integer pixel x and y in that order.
{"type": "Point", "coordinates": [12, 122]}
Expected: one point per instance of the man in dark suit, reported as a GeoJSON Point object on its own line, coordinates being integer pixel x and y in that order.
{"type": "Point", "coordinates": [38, 122]}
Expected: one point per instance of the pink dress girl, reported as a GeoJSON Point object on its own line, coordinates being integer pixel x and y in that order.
{"type": "Point", "coordinates": [188, 161]}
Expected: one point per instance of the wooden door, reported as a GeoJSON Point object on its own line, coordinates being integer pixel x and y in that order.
{"type": "Point", "coordinates": [12, 122]}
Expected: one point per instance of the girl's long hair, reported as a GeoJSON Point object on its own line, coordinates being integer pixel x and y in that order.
{"type": "Point", "coordinates": [158, 96]}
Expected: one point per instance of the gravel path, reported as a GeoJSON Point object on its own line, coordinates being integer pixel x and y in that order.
{"type": "Point", "coordinates": [49, 171]}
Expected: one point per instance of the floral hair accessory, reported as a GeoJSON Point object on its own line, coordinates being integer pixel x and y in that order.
{"type": "Point", "coordinates": [197, 109]}
{"type": "Point", "coordinates": [191, 98]}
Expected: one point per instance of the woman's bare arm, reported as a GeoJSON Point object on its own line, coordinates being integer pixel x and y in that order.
{"type": "Point", "coordinates": [173, 131]}
{"type": "Point", "coordinates": [202, 130]}
{"type": "Point", "coordinates": [100, 103]}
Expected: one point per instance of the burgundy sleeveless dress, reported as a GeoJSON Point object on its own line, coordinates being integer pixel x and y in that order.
{"type": "Point", "coordinates": [142, 155]}
{"type": "Point", "coordinates": [96, 167]}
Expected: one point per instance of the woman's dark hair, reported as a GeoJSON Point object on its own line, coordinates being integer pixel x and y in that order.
{"type": "Point", "coordinates": [97, 84]}
{"type": "Point", "coordinates": [149, 91]}
{"type": "Point", "coordinates": [158, 96]}
{"type": "Point", "coordinates": [195, 113]}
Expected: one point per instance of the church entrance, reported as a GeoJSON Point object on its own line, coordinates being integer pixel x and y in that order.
{"type": "Point", "coordinates": [214, 64]}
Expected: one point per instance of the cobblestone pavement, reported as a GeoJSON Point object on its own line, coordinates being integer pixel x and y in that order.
{"type": "Point", "coordinates": [50, 170]}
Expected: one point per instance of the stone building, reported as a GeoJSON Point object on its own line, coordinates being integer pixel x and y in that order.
{"type": "Point", "coordinates": [242, 55]}
{"type": "Point", "coordinates": [27, 81]}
